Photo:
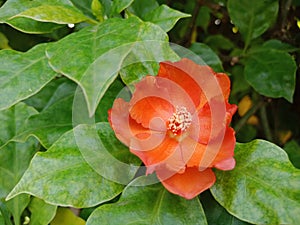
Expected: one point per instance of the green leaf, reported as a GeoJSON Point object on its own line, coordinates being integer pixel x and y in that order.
{"type": "Point", "coordinates": [105, 153]}
{"type": "Point", "coordinates": [142, 7]}
{"type": "Point", "coordinates": [141, 204]}
{"type": "Point", "coordinates": [203, 18]}
{"type": "Point", "coordinates": [218, 41]}
{"type": "Point", "coordinates": [215, 213]}
{"type": "Point", "coordinates": [278, 45]}
{"type": "Point", "coordinates": [60, 14]}
{"type": "Point", "coordinates": [271, 73]}
{"type": "Point", "coordinates": [98, 10]}
{"type": "Point", "coordinates": [23, 74]}
{"type": "Point", "coordinates": [41, 212]}
{"type": "Point", "coordinates": [263, 188]}
{"type": "Point", "coordinates": [208, 56]}
{"type": "Point", "coordinates": [14, 7]}
{"type": "Point", "coordinates": [292, 148]}
{"type": "Point", "coordinates": [14, 160]}
{"type": "Point", "coordinates": [252, 18]}
{"type": "Point", "coordinates": [165, 17]}
{"type": "Point", "coordinates": [12, 121]}
{"type": "Point", "coordinates": [4, 42]}
{"type": "Point", "coordinates": [66, 217]}
{"type": "Point", "coordinates": [97, 53]}
{"type": "Point", "coordinates": [54, 120]}
{"type": "Point", "coordinates": [69, 182]}
{"type": "Point", "coordinates": [119, 5]}
{"type": "Point", "coordinates": [106, 102]}
{"type": "Point", "coordinates": [41, 99]}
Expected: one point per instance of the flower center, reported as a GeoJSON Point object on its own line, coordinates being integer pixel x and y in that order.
{"type": "Point", "coordinates": [179, 121]}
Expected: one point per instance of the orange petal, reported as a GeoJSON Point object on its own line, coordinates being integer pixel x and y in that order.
{"type": "Point", "coordinates": [150, 109]}
{"type": "Point", "coordinates": [160, 151]}
{"type": "Point", "coordinates": [157, 97]}
{"type": "Point", "coordinates": [123, 125]}
{"type": "Point", "coordinates": [178, 72]}
{"type": "Point", "coordinates": [226, 151]}
{"type": "Point", "coordinates": [227, 164]}
{"type": "Point", "coordinates": [224, 83]}
{"type": "Point", "coordinates": [188, 184]}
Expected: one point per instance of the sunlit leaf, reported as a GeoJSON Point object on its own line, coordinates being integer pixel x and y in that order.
{"type": "Point", "coordinates": [97, 53]}
{"type": "Point", "coordinates": [165, 17]}
{"type": "Point", "coordinates": [14, 160]}
{"type": "Point", "coordinates": [155, 206]}
{"type": "Point", "coordinates": [12, 121]}
{"type": "Point", "coordinates": [70, 181]}
{"type": "Point", "coordinates": [65, 216]}
{"type": "Point", "coordinates": [105, 153]}
{"type": "Point", "coordinates": [13, 7]}
{"type": "Point", "coordinates": [61, 14]}
{"type": "Point", "coordinates": [41, 212]}
{"type": "Point", "coordinates": [216, 214]}
{"type": "Point", "coordinates": [263, 188]}
{"type": "Point", "coordinates": [23, 74]}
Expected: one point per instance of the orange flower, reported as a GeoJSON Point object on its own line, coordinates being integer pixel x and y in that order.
{"type": "Point", "coordinates": [177, 123]}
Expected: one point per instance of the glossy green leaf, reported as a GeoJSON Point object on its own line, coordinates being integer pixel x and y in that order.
{"type": "Point", "coordinates": [98, 10]}
{"type": "Point", "coordinates": [70, 181]}
{"type": "Point", "coordinates": [142, 7]}
{"type": "Point", "coordinates": [66, 217]}
{"type": "Point", "coordinates": [278, 45]}
{"type": "Point", "coordinates": [155, 206]}
{"type": "Point", "coordinates": [119, 5]}
{"type": "Point", "coordinates": [292, 148]}
{"type": "Point", "coordinates": [12, 121]}
{"type": "Point", "coordinates": [41, 212]}
{"type": "Point", "coordinates": [218, 41]}
{"type": "Point", "coordinates": [203, 18]}
{"type": "Point", "coordinates": [216, 214]}
{"type": "Point", "coordinates": [96, 54]}
{"type": "Point", "coordinates": [23, 74]}
{"type": "Point", "coordinates": [271, 73]}
{"type": "Point", "coordinates": [61, 14]}
{"type": "Point", "coordinates": [208, 56]}
{"type": "Point", "coordinates": [4, 42]}
{"type": "Point", "coordinates": [105, 153]}
{"type": "Point", "coordinates": [252, 18]}
{"type": "Point", "coordinates": [106, 102]}
{"type": "Point", "coordinates": [13, 7]}
{"type": "Point", "coordinates": [54, 120]}
{"type": "Point", "coordinates": [42, 99]}
{"type": "Point", "coordinates": [263, 188]}
{"type": "Point", "coordinates": [14, 160]}
{"type": "Point", "coordinates": [165, 17]}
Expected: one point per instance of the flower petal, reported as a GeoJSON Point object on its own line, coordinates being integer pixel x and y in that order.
{"type": "Point", "coordinates": [188, 184]}
{"type": "Point", "coordinates": [177, 72]}
{"type": "Point", "coordinates": [227, 164]}
{"type": "Point", "coordinates": [123, 125]}
{"type": "Point", "coordinates": [225, 152]}
{"type": "Point", "coordinates": [159, 151]}
{"type": "Point", "coordinates": [157, 97]}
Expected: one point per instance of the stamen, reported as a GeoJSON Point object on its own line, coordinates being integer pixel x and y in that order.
{"type": "Point", "coordinates": [179, 121]}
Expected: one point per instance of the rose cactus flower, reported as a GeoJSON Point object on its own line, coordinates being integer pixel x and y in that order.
{"type": "Point", "coordinates": [177, 123]}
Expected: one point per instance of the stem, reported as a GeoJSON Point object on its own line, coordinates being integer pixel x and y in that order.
{"type": "Point", "coordinates": [248, 114]}
{"type": "Point", "coordinates": [187, 38]}
{"type": "Point", "coordinates": [265, 123]}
